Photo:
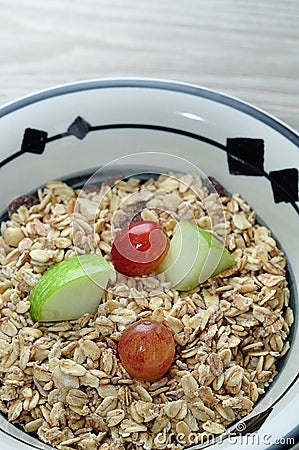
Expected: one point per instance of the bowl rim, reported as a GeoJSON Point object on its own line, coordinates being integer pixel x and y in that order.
{"type": "Point", "coordinates": [156, 84]}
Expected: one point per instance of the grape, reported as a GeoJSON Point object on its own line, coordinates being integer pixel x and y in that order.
{"type": "Point", "coordinates": [139, 248]}
{"type": "Point", "coordinates": [146, 350]}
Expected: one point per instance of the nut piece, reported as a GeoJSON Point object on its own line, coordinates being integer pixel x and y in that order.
{"type": "Point", "coordinates": [33, 425]}
{"type": "Point", "coordinates": [40, 256]}
{"type": "Point", "coordinates": [13, 236]}
{"type": "Point", "coordinates": [170, 184]}
{"type": "Point", "coordinates": [240, 221]}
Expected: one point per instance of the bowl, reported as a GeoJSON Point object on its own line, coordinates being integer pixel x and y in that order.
{"type": "Point", "coordinates": [131, 126]}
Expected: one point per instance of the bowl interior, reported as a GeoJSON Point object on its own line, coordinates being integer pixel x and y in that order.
{"type": "Point", "coordinates": [132, 127]}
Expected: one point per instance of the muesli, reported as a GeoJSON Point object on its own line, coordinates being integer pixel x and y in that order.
{"type": "Point", "coordinates": [63, 381]}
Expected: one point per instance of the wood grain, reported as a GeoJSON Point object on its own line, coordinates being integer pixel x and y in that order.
{"type": "Point", "coordinates": [245, 48]}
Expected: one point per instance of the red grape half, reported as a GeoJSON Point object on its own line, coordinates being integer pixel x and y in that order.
{"type": "Point", "coordinates": [146, 350]}
{"type": "Point", "coordinates": [139, 248]}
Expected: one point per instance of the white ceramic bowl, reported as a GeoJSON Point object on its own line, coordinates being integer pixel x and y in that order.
{"type": "Point", "coordinates": [42, 139]}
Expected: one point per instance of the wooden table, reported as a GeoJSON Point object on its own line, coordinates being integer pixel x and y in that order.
{"type": "Point", "coordinates": [245, 48]}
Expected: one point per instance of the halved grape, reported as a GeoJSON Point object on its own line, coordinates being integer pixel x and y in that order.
{"type": "Point", "coordinates": [146, 350]}
{"type": "Point", "coordinates": [139, 248]}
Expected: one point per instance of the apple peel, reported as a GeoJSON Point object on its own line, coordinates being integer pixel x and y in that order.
{"type": "Point", "coordinates": [70, 289]}
{"type": "Point", "coordinates": [194, 256]}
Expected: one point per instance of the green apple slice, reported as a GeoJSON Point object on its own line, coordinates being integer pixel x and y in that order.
{"type": "Point", "coordinates": [70, 289]}
{"type": "Point", "coordinates": [219, 257]}
{"type": "Point", "coordinates": [193, 257]}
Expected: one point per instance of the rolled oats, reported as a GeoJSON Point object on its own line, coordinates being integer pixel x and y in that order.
{"type": "Point", "coordinates": [15, 410]}
{"type": "Point", "coordinates": [114, 417]}
{"type": "Point", "coordinates": [69, 367]}
{"type": "Point", "coordinates": [40, 256]}
{"type": "Point", "coordinates": [129, 426]}
{"type": "Point", "coordinates": [76, 397]}
{"type": "Point", "coordinates": [225, 411]}
{"type": "Point", "coordinates": [33, 425]}
{"type": "Point", "coordinates": [183, 429]}
{"type": "Point", "coordinates": [64, 381]}
{"type": "Point", "coordinates": [190, 386]}
{"type": "Point", "coordinates": [108, 404]}
{"type": "Point", "coordinates": [201, 412]}
{"type": "Point", "coordinates": [8, 328]}
{"type": "Point", "coordinates": [177, 409]}
{"type": "Point", "coordinates": [213, 427]}
{"type": "Point", "coordinates": [107, 390]}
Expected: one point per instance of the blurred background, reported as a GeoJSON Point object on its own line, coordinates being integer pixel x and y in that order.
{"type": "Point", "coordinates": [245, 48]}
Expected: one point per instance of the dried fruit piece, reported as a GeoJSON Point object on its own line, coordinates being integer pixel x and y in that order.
{"type": "Point", "coordinates": [217, 186]}
{"type": "Point", "coordinates": [23, 200]}
{"type": "Point", "coordinates": [133, 215]}
{"type": "Point", "coordinates": [113, 179]}
{"type": "Point", "coordinates": [90, 187]}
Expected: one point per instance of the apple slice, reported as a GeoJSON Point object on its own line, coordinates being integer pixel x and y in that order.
{"type": "Point", "coordinates": [193, 257]}
{"type": "Point", "coordinates": [217, 253]}
{"type": "Point", "coordinates": [70, 289]}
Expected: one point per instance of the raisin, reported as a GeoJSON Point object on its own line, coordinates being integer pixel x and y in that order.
{"type": "Point", "coordinates": [217, 186]}
{"type": "Point", "coordinates": [23, 200]}
{"type": "Point", "coordinates": [134, 215]}
{"type": "Point", "coordinates": [88, 188]}
{"type": "Point", "coordinates": [113, 179]}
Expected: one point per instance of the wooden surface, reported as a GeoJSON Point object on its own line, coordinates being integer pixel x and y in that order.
{"type": "Point", "coordinates": [245, 48]}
